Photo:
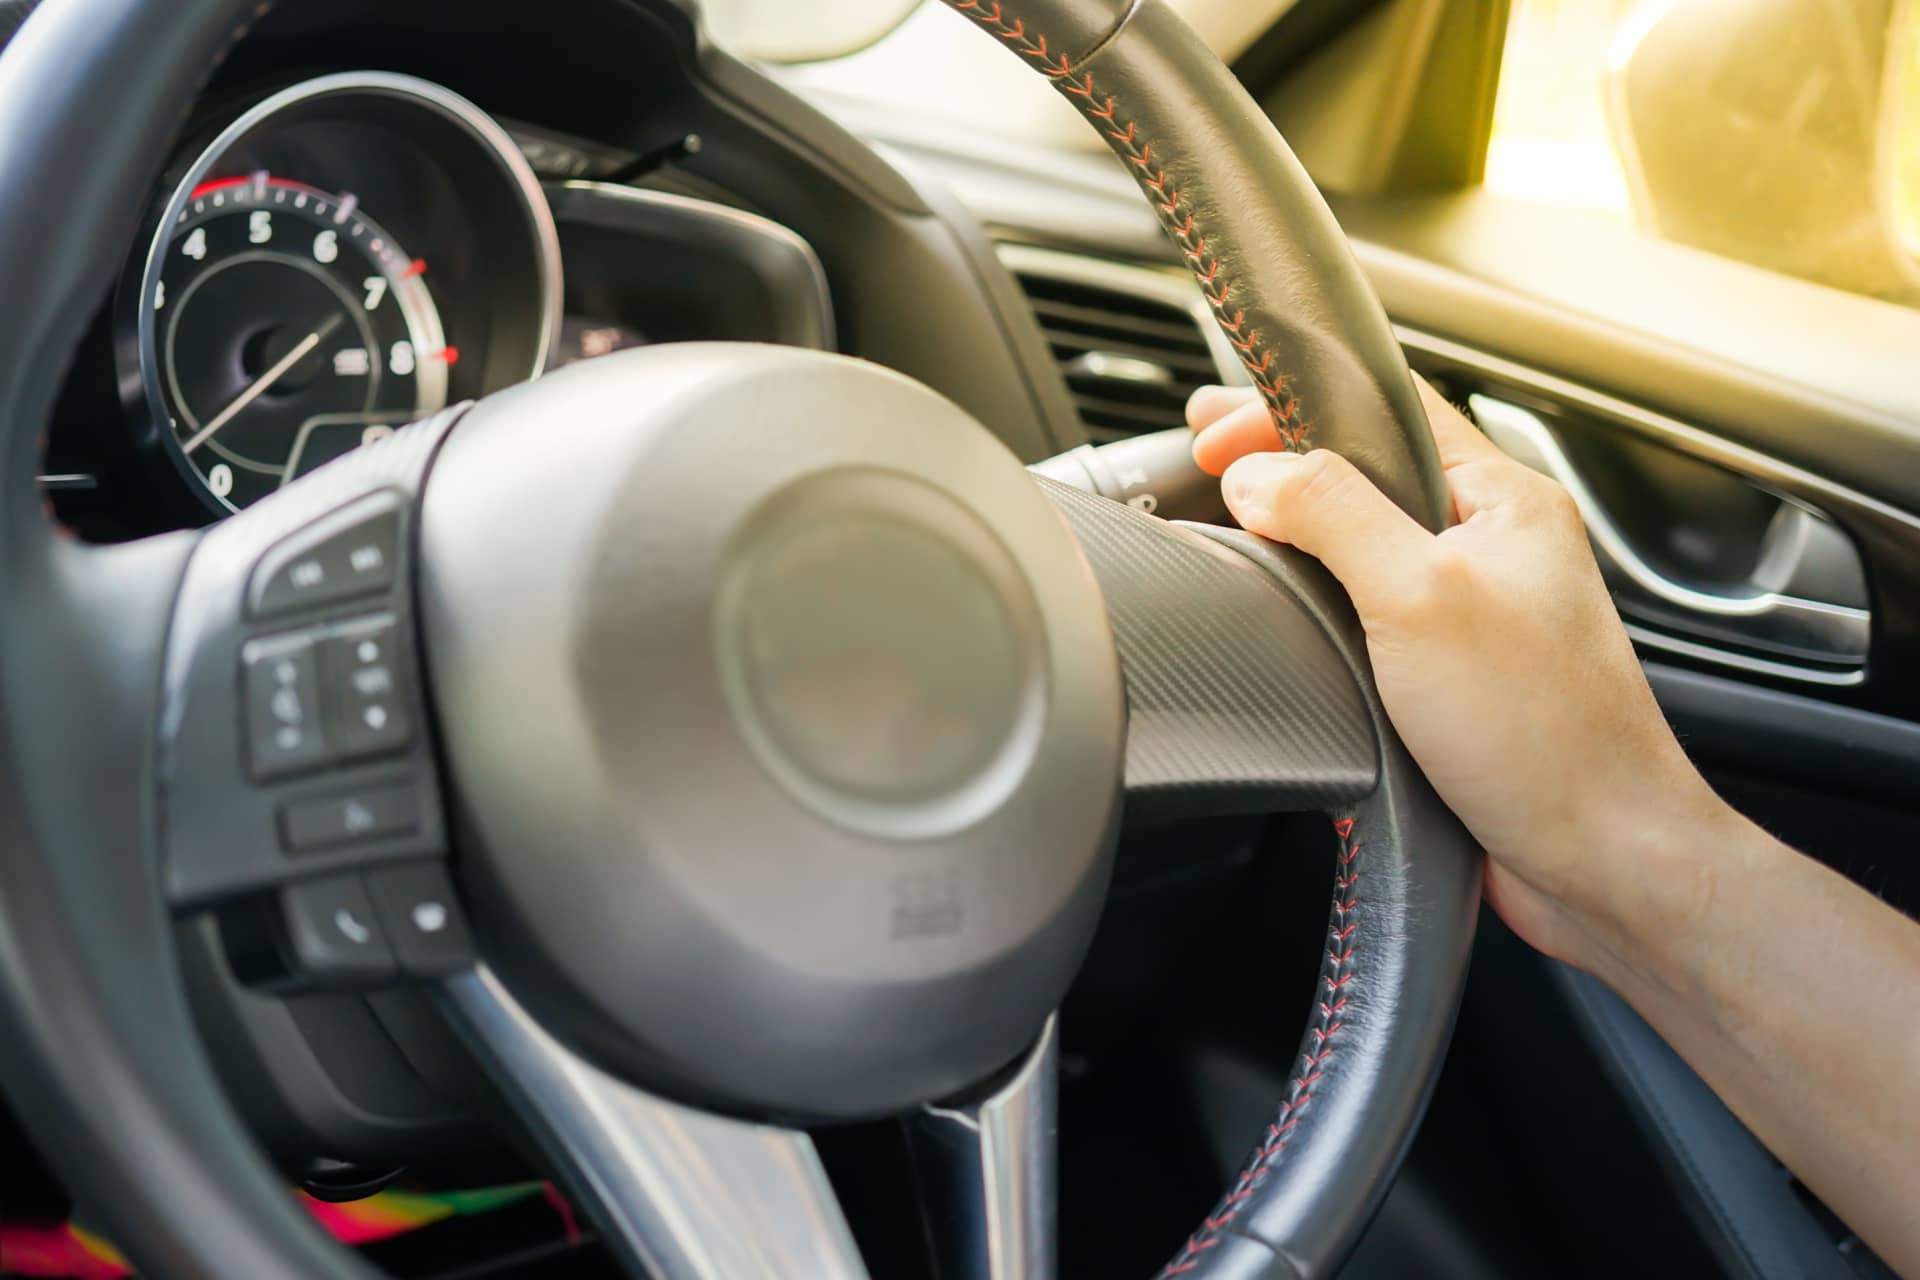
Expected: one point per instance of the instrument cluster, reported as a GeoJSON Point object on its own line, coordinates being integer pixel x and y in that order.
{"type": "Point", "coordinates": [346, 256]}
{"type": "Point", "coordinates": [324, 262]}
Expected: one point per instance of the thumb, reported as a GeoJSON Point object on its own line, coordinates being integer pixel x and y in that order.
{"type": "Point", "coordinates": [1320, 503]}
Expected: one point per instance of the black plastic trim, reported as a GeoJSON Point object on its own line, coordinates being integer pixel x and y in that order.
{"type": "Point", "coordinates": [659, 231]}
{"type": "Point", "coordinates": [1773, 733]}
{"type": "Point", "coordinates": [1724, 1179]}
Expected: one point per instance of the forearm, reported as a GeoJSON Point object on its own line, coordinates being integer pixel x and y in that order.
{"type": "Point", "coordinates": [1794, 994]}
{"type": "Point", "coordinates": [1502, 661]}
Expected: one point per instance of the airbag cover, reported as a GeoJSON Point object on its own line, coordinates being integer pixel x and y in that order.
{"type": "Point", "coordinates": [784, 719]}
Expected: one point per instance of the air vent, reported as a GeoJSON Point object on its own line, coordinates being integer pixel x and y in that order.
{"type": "Point", "coordinates": [1132, 342]}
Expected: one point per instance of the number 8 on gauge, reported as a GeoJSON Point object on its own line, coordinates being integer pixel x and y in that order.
{"type": "Point", "coordinates": [281, 326]}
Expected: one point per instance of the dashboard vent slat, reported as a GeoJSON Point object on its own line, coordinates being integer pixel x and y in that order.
{"type": "Point", "coordinates": [1176, 330]}
{"type": "Point", "coordinates": [1131, 356]}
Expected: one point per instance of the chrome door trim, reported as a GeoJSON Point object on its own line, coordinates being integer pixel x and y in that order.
{"type": "Point", "coordinates": [1765, 470]}
{"type": "Point", "coordinates": [1764, 619]}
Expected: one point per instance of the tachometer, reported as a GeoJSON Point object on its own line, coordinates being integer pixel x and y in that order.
{"type": "Point", "coordinates": [341, 257]}
{"type": "Point", "coordinates": [288, 327]}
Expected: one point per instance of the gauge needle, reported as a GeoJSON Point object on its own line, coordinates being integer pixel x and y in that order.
{"type": "Point", "coordinates": [266, 380]}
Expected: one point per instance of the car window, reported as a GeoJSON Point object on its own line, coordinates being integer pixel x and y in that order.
{"type": "Point", "coordinates": [1785, 133]}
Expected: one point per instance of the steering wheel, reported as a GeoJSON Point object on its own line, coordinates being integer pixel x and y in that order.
{"type": "Point", "coordinates": [777, 773]}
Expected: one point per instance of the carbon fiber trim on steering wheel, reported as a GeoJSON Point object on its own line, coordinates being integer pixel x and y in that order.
{"type": "Point", "coordinates": [1406, 895]}
{"type": "Point", "coordinates": [1235, 704]}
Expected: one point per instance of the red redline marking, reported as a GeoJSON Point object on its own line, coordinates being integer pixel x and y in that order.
{"type": "Point", "coordinates": [415, 268]}
{"type": "Point", "coordinates": [445, 355]}
{"type": "Point", "coordinates": [219, 184]}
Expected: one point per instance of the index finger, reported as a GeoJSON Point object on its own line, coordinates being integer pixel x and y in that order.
{"type": "Point", "coordinates": [1208, 404]}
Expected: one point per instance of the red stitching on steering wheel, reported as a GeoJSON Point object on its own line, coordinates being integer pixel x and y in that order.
{"type": "Point", "coordinates": [1337, 973]}
{"type": "Point", "coordinates": [1175, 215]}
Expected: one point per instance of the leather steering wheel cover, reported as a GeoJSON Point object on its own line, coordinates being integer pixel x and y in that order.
{"type": "Point", "coordinates": [1406, 898]}
{"type": "Point", "coordinates": [1283, 284]}
{"type": "Point", "coordinates": [1406, 881]}
{"type": "Point", "coordinates": [1275, 267]}
{"type": "Point", "coordinates": [102, 1061]}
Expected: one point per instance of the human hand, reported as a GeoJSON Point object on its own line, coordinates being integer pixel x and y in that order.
{"type": "Point", "coordinates": [1499, 658]}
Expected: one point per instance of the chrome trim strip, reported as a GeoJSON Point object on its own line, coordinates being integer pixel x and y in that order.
{"type": "Point", "coordinates": [681, 1194]}
{"type": "Point", "coordinates": [1784, 477]}
{"type": "Point", "coordinates": [1168, 286]}
{"type": "Point", "coordinates": [1762, 618]}
{"type": "Point", "coordinates": [1744, 662]}
{"type": "Point", "coordinates": [1176, 288]}
{"type": "Point", "coordinates": [990, 1166]}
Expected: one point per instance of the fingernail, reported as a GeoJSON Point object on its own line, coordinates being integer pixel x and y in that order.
{"type": "Point", "coordinates": [1250, 480]}
{"type": "Point", "coordinates": [1243, 488]}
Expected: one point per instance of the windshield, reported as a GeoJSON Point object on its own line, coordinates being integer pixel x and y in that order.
{"type": "Point", "coordinates": [1778, 132]}
{"type": "Point", "coordinates": [783, 31]}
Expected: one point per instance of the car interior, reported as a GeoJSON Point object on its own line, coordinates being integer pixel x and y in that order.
{"type": "Point", "coordinates": [613, 662]}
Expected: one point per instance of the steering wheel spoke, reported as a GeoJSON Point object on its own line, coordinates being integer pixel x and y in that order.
{"type": "Point", "coordinates": [681, 1193]}
{"type": "Point", "coordinates": [987, 1169]}
{"type": "Point", "coordinates": [678, 1193]}
{"type": "Point", "coordinates": [298, 778]}
{"type": "Point", "coordinates": [1243, 691]}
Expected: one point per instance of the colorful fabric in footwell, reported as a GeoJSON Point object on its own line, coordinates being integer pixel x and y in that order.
{"type": "Point", "coordinates": [70, 1252]}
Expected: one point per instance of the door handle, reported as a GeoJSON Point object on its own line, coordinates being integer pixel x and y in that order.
{"type": "Point", "coordinates": [1757, 619]}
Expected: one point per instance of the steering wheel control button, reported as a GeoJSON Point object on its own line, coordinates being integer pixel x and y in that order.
{"type": "Point", "coordinates": [333, 934]}
{"type": "Point", "coordinates": [284, 732]}
{"type": "Point", "coordinates": [350, 817]}
{"type": "Point", "coordinates": [362, 685]}
{"type": "Point", "coordinates": [343, 556]}
{"type": "Point", "coordinates": [423, 919]}
{"type": "Point", "coordinates": [272, 726]}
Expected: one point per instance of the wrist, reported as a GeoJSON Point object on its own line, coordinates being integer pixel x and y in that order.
{"type": "Point", "coordinates": [1663, 866]}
